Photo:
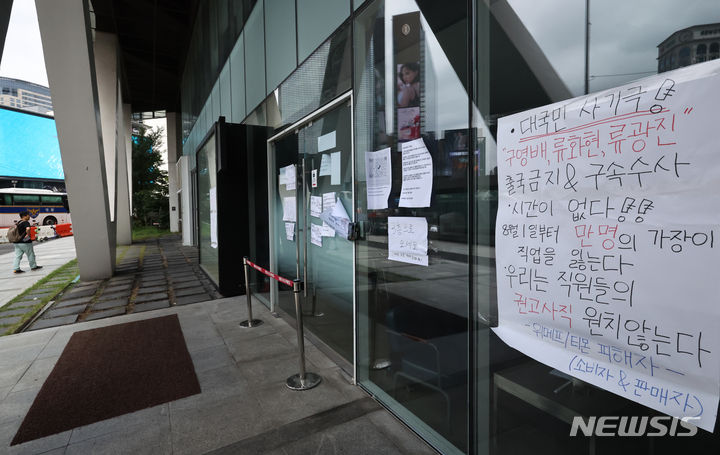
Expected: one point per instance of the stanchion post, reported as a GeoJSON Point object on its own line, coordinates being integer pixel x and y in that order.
{"type": "Point", "coordinates": [303, 380]}
{"type": "Point", "coordinates": [249, 322]}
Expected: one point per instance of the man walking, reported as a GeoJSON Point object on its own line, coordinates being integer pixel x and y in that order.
{"type": "Point", "coordinates": [24, 245]}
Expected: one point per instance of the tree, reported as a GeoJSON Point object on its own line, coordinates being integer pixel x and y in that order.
{"type": "Point", "coordinates": [150, 183]}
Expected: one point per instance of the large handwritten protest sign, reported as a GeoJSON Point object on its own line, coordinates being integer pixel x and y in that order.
{"type": "Point", "coordinates": [608, 264]}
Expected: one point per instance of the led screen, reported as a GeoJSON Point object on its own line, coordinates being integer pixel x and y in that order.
{"type": "Point", "coordinates": [29, 146]}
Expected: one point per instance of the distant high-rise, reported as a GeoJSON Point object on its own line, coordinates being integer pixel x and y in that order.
{"type": "Point", "coordinates": [25, 96]}
{"type": "Point", "coordinates": [695, 44]}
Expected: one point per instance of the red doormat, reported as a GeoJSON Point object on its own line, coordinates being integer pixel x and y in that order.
{"type": "Point", "coordinates": [111, 371]}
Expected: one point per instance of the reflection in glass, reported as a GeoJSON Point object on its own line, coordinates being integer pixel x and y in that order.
{"type": "Point", "coordinates": [413, 330]}
{"type": "Point", "coordinates": [324, 262]}
{"type": "Point", "coordinates": [207, 209]}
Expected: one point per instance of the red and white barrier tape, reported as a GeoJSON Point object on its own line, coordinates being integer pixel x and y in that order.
{"type": "Point", "coordinates": [274, 276]}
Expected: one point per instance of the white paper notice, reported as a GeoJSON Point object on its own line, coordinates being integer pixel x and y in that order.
{"type": "Point", "coordinates": [326, 142]}
{"type": "Point", "coordinates": [325, 164]}
{"type": "Point", "coordinates": [316, 234]}
{"type": "Point", "coordinates": [417, 175]}
{"type": "Point", "coordinates": [378, 173]}
{"type": "Point", "coordinates": [606, 265]}
{"type": "Point", "coordinates": [327, 231]}
{"type": "Point", "coordinates": [337, 218]}
{"type": "Point", "coordinates": [289, 209]}
{"type": "Point", "coordinates": [314, 176]}
{"type": "Point", "coordinates": [316, 205]}
{"type": "Point", "coordinates": [328, 200]}
{"type": "Point", "coordinates": [288, 177]}
{"type": "Point", "coordinates": [335, 168]}
{"type": "Point", "coordinates": [290, 231]}
{"type": "Point", "coordinates": [407, 239]}
{"type": "Point", "coordinates": [213, 218]}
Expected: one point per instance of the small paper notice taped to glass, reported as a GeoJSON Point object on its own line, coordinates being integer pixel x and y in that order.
{"type": "Point", "coordinates": [408, 239]}
{"type": "Point", "coordinates": [316, 234]}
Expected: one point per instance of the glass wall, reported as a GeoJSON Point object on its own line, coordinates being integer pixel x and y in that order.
{"type": "Point", "coordinates": [412, 162]}
{"type": "Point", "coordinates": [207, 209]}
{"type": "Point", "coordinates": [529, 55]}
{"type": "Point", "coordinates": [214, 33]}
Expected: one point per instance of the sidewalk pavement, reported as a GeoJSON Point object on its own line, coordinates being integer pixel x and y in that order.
{"type": "Point", "coordinates": [244, 406]}
{"type": "Point", "coordinates": [50, 255]}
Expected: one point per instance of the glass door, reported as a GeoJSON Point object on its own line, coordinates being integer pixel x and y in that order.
{"type": "Point", "coordinates": [311, 206]}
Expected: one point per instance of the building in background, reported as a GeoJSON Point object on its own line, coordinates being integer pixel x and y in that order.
{"type": "Point", "coordinates": [690, 45]}
{"type": "Point", "coordinates": [25, 96]}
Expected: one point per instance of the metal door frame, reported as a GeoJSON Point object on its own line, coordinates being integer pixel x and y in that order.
{"type": "Point", "coordinates": [272, 184]}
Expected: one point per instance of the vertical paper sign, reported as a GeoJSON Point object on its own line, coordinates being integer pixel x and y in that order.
{"type": "Point", "coordinates": [407, 239]}
{"type": "Point", "coordinates": [316, 234]}
{"type": "Point", "coordinates": [290, 231]}
{"type": "Point", "coordinates": [327, 231]}
{"type": "Point", "coordinates": [336, 217]}
{"type": "Point", "coordinates": [288, 177]}
{"type": "Point", "coordinates": [378, 173]}
{"type": "Point", "coordinates": [289, 209]}
{"type": "Point", "coordinates": [325, 164]}
{"type": "Point", "coordinates": [316, 206]}
{"type": "Point", "coordinates": [606, 255]}
{"type": "Point", "coordinates": [213, 218]}
{"type": "Point", "coordinates": [417, 175]}
{"type": "Point", "coordinates": [335, 168]}
{"type": "Point", "coordinates": [326, 142]}
{"type": "Point", "coordinates": [314, 177]}
{"type": "Point", "coordinates": [328, 200]}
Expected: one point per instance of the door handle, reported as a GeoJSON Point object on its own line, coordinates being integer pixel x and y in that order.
{"type": "Point", "coordinates": [353, 231]}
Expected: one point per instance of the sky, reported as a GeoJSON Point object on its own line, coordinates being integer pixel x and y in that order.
{"type": "Point", "coordinates": [624, 35]}
{"type": "Point", "coordinates": [22, 57]}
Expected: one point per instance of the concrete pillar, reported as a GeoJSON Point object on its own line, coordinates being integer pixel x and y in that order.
{"type": "Point", "coordinates": [106, 71]}
{"type": "Point", "coordinates": [172, 156]}
{"type": "Point", "coordinates": [185, 199]}
{"type": "Point", "coordinates": [70, 64]}
{"type": "Point", "coordinates": [127, 115]}
{"type": "Point", "coordinates": [123, 222]}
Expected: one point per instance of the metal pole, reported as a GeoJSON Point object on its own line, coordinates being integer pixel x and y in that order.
{"type": "Point", "coordinates": [587, 46]}
{"type": "Point", "coordinates": [249, 322]}
{"type": "Point", "coordinates": [303, 380]}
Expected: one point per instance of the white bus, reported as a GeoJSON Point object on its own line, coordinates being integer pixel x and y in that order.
{"type": "Point", "coordinates": [46, 207]}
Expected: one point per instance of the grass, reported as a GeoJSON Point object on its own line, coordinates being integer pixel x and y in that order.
{"type": "Point", "coordinates": [148, 232]}
{"type": "Point", "coordinates": [66, 274]}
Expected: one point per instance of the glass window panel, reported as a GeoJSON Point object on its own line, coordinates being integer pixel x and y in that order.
{"type": "Point", "coordinates": [325, 75]}
{"type": "Point", "coordinates": [207, 209]}
{"type": "Point", "coordinates": [215, 102]}
{"type": "Point", "coordinates": [280, 45]}
{"type": "Point", "coordinates": [531, 45]}
{"type": "Point", "coordinates": [237, 83]}
{"type": "Point", "coordinates": [51, 200]}
{"type": "Point", "coordinates": [413, 324]}
{"type": "Point", "coordinates": [255, 53]}
{"type": "Point", "coordinates": [316, 20]}
{"type": "Point", "coordinates": [225, 93]}
{"type": "Point", "coordinates": [27, 199]}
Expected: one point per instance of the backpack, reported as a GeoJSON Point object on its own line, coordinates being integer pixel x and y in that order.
{"type": "Point", "coordinates": [13, 235]}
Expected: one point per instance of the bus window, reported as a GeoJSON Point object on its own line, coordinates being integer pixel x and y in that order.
{"type": "Point", "coordinates": [51, 200]}
{"type": "Point", "coordinates": [65, 203]}
{"type": "Point", "coordinates": [26, 199]}
{"type": "Point", "coordinates": [5, 199]}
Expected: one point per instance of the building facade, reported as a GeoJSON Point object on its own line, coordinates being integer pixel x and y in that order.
{"type": "Point", "coordinates": [25, 96]}
{"type": "Point", "coordinates": [688, 46]}
{"type": "Point", "coordinates": [322, 81]}
{"type": "Point", "coordinates": [353, 145]}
